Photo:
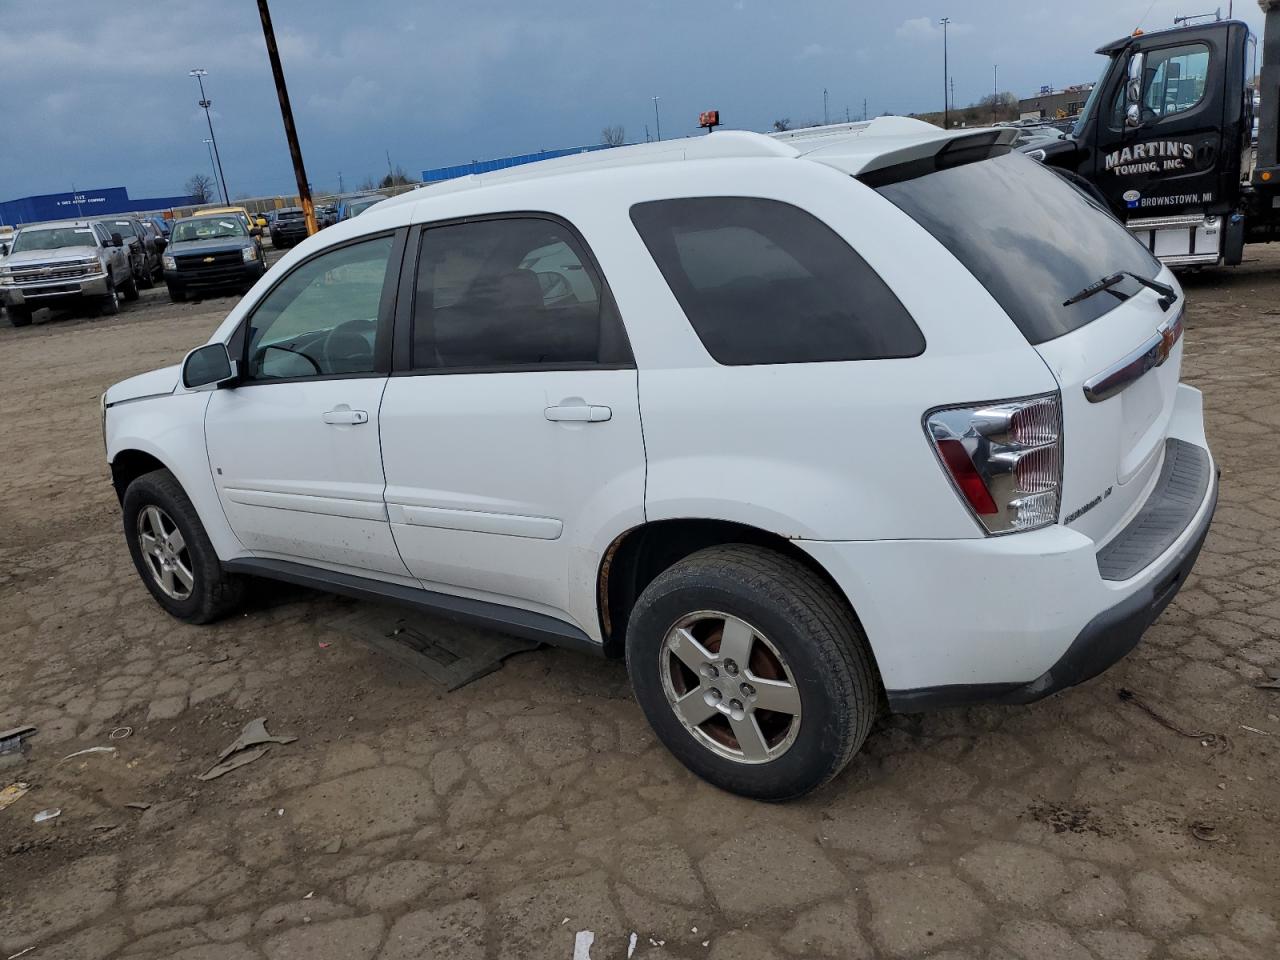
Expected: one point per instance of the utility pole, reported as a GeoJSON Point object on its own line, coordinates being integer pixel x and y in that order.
{"type": "Point", "coordinates": [646, 133]}
{"type": "Point", "coordinates": [847, 118]}
{"type": "Point", "coordinates": [340, 187]}
{"type": "Point", "coordinates": [200, 73]}
{"type": "Point", "coordinates": [864, 108]}
{"type": "Point", "coordinates": [953, 91]}
{"type": "Point", "coordinates": [826, 113]}
{"type": "Point", "coordinates": [946, 100]}
{"type": "Point", "coordinates": [286, 114]}
{"type": "Point", "coordinates": [656, 118]}
{"type": "Point", "coordinates": [391, 174]}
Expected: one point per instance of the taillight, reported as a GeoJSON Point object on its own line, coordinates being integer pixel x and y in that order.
{"type": "Point", "coordinates": [1004, 458]}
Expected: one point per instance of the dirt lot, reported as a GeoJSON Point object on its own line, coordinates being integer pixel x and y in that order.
{"type": "Point", "coordinates": [503, 819]}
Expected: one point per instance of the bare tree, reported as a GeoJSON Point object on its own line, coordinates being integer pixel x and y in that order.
{"type": "Point", "coordinates": [782, 125]}
{"type": "Point", "coordinates": [614, 136]}
{"type": "Point", "coordinates": [397, 179]}
{"type": "Point", "coordinates": [199, 186]}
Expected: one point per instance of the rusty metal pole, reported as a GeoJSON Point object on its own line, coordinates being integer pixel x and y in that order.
{"type": "Point", "coordinates": [286, 114]}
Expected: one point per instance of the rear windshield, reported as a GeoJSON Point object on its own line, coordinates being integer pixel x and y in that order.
{"type": "Point", "coordinates": [1031, 238]}
{"type": "Point", "coordinates": [765, 282]}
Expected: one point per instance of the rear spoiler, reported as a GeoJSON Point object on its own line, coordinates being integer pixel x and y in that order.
{"type": "Point", "coordinates": [919, 159]}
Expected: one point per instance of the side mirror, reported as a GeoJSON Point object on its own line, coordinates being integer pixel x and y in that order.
{"type": "Point", "coordinates": [1133, 116]}
{"type": "Point", "coordinates": [255, 231]}
{"type": "Point", "coordinates": [1133, 87]}
{"type": "Point", "coordinates": [207, 366]}
{"type": "Point", "coordinates": [117, 240]}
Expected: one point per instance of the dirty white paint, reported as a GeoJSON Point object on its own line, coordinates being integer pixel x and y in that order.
{"type": "Point", "coordinates": [582, 945]}
{"type": "Point", "coordinates": [631, 946]}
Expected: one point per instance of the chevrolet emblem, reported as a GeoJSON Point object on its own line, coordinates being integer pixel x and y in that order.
{"type": "Point", "coordinates": [208, 259]}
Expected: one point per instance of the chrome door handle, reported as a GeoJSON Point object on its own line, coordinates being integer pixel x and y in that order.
{"type": "Point", "coordinates": [345, 415]}
{"type": "Point", "coordinates": [578, 413]}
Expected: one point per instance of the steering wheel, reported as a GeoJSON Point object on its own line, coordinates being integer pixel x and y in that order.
{"type": "Point", "coordinates": [346, 348]}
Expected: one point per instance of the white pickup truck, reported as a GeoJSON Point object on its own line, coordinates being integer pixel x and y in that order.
{"type": "Point", "coordinates": [64, 264]}
{"type": "Point", "coordinates": [803, 428]}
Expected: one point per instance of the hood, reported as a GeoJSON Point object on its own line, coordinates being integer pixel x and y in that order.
{"type": "Point", "coordinates": [60, 255]}
{"type": "Point", "coordinates": [154, 383]}
{"type": "Point", "coordinates": [212, 245]}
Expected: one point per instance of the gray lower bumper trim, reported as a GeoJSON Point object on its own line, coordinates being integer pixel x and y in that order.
{"type": "Point", "coordinates": [1178, 494]}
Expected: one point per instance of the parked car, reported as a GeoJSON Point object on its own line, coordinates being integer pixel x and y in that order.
{"type": "Point", "coordinates": [354, 206]}
{"type": "Point", "coordinates": [158, 239]}
{"type": "Point", "coordinates": [162, 225]}
{"type": "Point", "coordinates": [326, 215]}
{"type": "Point", "coordinates": [288, 227]}
{"type": "Point", "coordinates": [64, 264]}
{"type": "Point", "coordinates": [811, 425]}
{"type": "Point", "coordinates": [144, 258]}
{"type": "Point", "coordinates": [210, 253]}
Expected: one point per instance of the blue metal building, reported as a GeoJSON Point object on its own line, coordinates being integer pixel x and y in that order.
{"type": "Point", "coordinates": [486, 166]}
{"type": "Point", "coordinates": [82, 203]}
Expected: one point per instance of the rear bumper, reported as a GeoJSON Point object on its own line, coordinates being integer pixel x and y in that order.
{"type": "Point", "coordinates": [1014, 619]}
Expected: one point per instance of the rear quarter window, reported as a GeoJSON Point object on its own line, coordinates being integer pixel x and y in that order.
{"type": "Point", "coordinates": [763, 282]}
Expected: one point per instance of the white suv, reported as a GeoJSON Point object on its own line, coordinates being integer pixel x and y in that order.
{"type": "Point", "coordinates": [802, 426]}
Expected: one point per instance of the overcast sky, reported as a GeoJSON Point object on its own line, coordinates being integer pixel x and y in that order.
{"type": "Point", "coordinates": [98, 95]}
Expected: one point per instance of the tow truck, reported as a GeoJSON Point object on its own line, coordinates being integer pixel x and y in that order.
{"type": "Point", "coordinates": [1165, 140]}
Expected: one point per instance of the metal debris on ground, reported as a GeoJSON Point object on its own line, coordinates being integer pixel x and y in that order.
{"type": "Point", "coordinates": [138, 805]}
{"type": "Point", "coordinates": [251, 745]}
{"type": "Point", "coordinates": [87, 750]}
{"type": "Point", "coordinates": [119, 733]}
{"type": "Point", "coordinates": [13, 793]}
{"type": "Point", "coordinates": [11, 744]}
{"type": "Point", "coordinates": [44, 816]}
{"type": "Point", "coordinates": [1206, 831]}
{"type": "Point", "coordinates": [1272, 682]}
{"type": "Point", "coordinates": [20, 953]}
{"type": "Point", "coordinates": [1128, 696]}
{"type": "Point", "coordinates": [451, 654]}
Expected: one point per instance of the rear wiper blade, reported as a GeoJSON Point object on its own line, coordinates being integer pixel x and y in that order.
{"type": "Point", "coordinates": [1106, 283]}
{"type": "Point", "coordinates": [1167, 294]}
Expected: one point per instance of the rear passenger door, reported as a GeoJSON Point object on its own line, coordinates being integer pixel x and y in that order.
{"type": "Point", "coordinates": [510, 427]}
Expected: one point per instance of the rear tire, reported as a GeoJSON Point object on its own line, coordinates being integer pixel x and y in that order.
{"type": "Point", "coordinates": [19, 316]}
{"type": "Point", "coordinates": [130, 288]}
{"type": "Point", "coordinates": [172, 553]}
{"type": "Point", "coordinates": [805, 653]}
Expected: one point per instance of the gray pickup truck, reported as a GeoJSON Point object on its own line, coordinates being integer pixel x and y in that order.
{"type": "Point", "coordinates": [64, 264]}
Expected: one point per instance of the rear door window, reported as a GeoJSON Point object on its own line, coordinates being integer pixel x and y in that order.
{"type": "Point", "coordinates": [763, 281]}
{"type": "Point", "coordinates": [1032, 239]}
{"type": "Point", "coordinates": [512, 293]}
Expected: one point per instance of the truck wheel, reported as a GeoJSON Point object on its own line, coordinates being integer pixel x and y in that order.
{"type": "Point", "coordinates": [752, 670]}
{"type": "Point", "coordinates": [19, 316]}
{"type": "Point", "coordinates": [130, 288]}
{"type": "Point", "coordinates": [111, 302]}
{"type": "Point", "coordinates": [177, 294]}
{"type": "Point", "coordinates": [172, 552]}
{"type": "Point", "coordinates": [145, 280]}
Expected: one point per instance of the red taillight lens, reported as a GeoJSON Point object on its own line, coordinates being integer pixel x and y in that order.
{"type": "Point", "coordinates": [1004, 458]}
{"type": "Point", "coordinates": [966, 477]}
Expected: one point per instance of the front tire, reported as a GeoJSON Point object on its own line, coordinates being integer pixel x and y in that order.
{"type": "Point", "coordinates": [177, 294]}
{"type": "Point", "coordinates": [130, 288]}
{"type": "Point", "coordinates": [752, 670]}
{"type": "Point", "coordinates": [19, 316]}
{"type": "Point", "coordinates": [173, 554]}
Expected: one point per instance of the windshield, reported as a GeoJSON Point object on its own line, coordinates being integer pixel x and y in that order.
{"type": "Point", "coordinates": [53, 239]}
{"type": "Point", "coordinates": [1077, 130]}
{"type": "Point", "coordinates": [1032, 239]}
{"type": "Point", "coordinates": [209, 228]}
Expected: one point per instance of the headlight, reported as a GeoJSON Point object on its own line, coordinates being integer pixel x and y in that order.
{"type": "Point", "coordinates": [250, 254]}
{"type": "Point", "coordinates": [6, 275]}
{"type": "Point", "coordinates": [170, 263]}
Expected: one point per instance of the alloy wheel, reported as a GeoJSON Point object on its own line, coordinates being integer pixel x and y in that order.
{"type": "Point", "coordinates": [165, 553]}
{"type": "Point", "coordinates": [730, 687]}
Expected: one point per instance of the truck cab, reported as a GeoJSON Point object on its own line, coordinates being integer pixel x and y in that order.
{"type": "Point", "coordinates": [1165, 138]}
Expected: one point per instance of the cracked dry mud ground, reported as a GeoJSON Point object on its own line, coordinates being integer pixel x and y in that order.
{"type": "Point", "coordinates": [499, 820]}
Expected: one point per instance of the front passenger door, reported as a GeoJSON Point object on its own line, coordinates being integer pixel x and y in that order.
{"type": "Point", "coordinates": [294, 445]}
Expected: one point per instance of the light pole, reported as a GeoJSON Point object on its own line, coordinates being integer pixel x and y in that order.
{"type": "Point", "coordinates": [200, 73]}
{"type": "Point", "coordinates": [995, 89]}
{"type": "Point", "coordinates": [657, 120]}
{"type": "Point", "coordinates": [946, 99]}
{"type": "Point", "coordinates": [212, 166]}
